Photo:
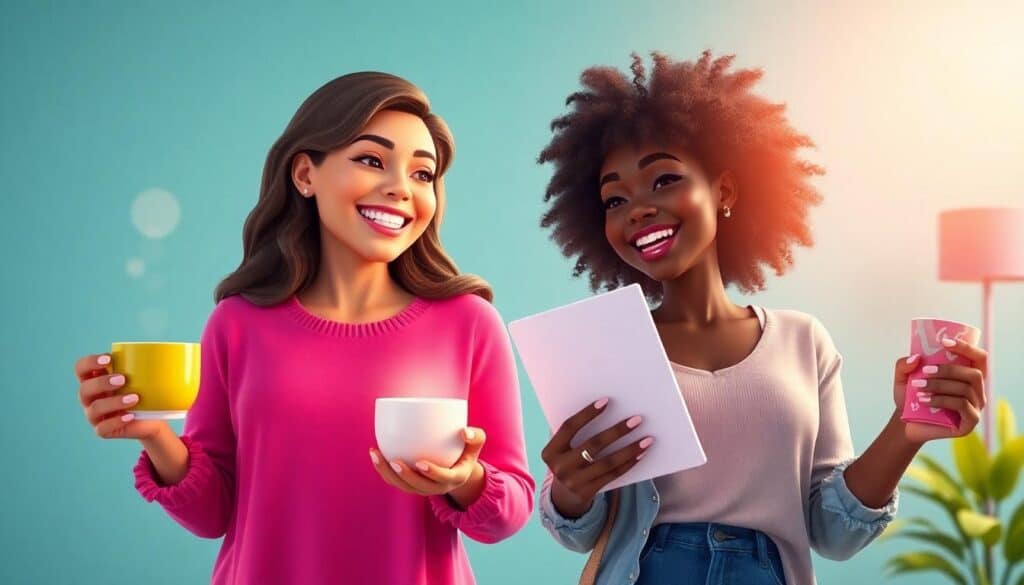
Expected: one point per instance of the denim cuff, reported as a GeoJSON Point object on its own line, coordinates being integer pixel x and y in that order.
{"type": "Point", "coordinates": [591, 520]}
{"type": "Point", "coordinates": [837, 498]}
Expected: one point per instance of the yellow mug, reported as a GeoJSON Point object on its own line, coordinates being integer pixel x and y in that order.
{"type": "Point", "coordinates": [165, 375]}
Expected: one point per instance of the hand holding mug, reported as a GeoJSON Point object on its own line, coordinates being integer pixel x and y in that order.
{"type": "Point", "coordinates": [105, 407]}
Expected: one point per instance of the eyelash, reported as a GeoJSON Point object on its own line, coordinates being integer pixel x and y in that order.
{"type": "Point", "coordinates": [608, 202]}
{"type": "Point", "coordinates": [613, 202]}
{"type": "Point", "coordinates": [674, 179]}
{"type": "Point", "coordinates": [360, 159]}
{"type": "Point", "coordinates": [423, 176]}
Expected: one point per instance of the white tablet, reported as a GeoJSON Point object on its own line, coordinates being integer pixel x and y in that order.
{"type": "Point", "coordinates": [607, 346]}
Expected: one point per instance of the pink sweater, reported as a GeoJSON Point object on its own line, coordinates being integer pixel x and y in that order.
{"type": "Point", "coordinates": [279, 441]}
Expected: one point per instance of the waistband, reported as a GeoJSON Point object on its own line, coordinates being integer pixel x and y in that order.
{"type": "Point", "coordinates": [714, 536]}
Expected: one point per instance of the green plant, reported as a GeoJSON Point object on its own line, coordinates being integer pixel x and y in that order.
{"type": "Point", "coordinates": [971, 501]}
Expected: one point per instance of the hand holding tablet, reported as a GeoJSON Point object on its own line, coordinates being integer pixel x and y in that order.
{"type": "Point", "coordinates": [607, 346]}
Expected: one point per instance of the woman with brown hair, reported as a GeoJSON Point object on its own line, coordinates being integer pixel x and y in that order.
{"type": "Point", "coordinates": [686, 183]}
{"type": "Point", "coordinates": [344, 294]}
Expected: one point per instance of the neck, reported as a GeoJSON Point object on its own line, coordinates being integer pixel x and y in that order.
{"type": "Point", "coordinates": [697, 297]}
{"type": "Point", "coordinates": [348, 286]}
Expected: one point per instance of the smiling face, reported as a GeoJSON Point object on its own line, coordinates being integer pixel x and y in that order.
{"type": "Point", "coordinates": [375, 196]}
{"type": "Point", "coordinates": [660, 208]}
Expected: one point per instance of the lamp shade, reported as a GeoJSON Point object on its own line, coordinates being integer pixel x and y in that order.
{"type": "Point", "coordinates": [981, 244]}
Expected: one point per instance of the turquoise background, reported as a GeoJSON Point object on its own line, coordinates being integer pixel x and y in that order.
{"type": "Point", "coordinates": [914, 109]}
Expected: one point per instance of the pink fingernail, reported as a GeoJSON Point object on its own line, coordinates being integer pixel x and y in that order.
{"type": "Point", "coordinates": [913, 358]}
{"type": "Point", "coordinates": [117, 380]}
{"type": "Point", "coordinates": [396, 467]}
{"type": "Point", "coordinates": [646, 443]}
{"type": "Point", "coordinates": [422, 466]}
{"type": "Point", "coordinates": [948, 342]}
{"type": "Point", "coordinates": [919, 383]}
{"type": "Point", "coordinates": [130, 399]}
{"type": "Point", "coordinates": [924, 397]}
{"type": "Point", "coordinates": [103, 360]}
{"type": "Point", "coordinates": [470, 434]}
{"type": "Point", "coordinates": [128, 417]}
{"type": "Point", "coordinates": [601, 403]}
{"type": "Point", "coordinates": [374, 458]}
{"type": "Point", "coordinates": [930, 369]}
{"type": "Point", "coordinates": [634, 422]}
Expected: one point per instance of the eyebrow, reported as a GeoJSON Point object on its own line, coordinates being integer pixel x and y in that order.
{"type": "Point", "coordinates": [391, 145]}
{"type": "Point", "coordinates": [609, 178]}
{"type": "Point", "coordinates": [650, 158]}
{"type": "Point", "coordinates": [645, 161]}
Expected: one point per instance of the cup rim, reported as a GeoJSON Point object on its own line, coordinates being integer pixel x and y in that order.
{"type": "Point", "coordinates": [944, 321]}
{"type": "Point", "coordinates": [155, 343]}
{"type": "Point", "coordinates": [418, 399]}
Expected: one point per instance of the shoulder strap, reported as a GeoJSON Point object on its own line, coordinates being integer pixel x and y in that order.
{"type": "Point", "coordinates": [589, 576]}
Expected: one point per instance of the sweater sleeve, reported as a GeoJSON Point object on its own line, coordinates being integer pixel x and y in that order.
{"type": "Point", "coordinates": [838, 524]}
{"type": "Point", "coordinates": [204, 500]}
{"type": "Point", "coordinates": [506, 502]}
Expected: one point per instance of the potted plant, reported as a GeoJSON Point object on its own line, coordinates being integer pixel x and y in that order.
{"type": "Point", "coordinates": [973, 500]}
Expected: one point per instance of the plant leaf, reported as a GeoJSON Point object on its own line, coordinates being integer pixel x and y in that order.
{"type": "Point", "coordinates": [1006, 469]}
{"type": "Point", "coordinates": [973, 462]}
{"type": "Point", "coordinates": [924, 561]}
{"type": "Point", "coordinates": [1006, 426]}
{"type": "Point", "coordinates": [892, 529]}
{"type": "Point", "coordinates": [944, 541]}
{"type": "Point", "coordinates": [939, 469]}
{"type": "Point", "coordinates": [1013, 548]}
{"type": "Point", "coordinates": [938, 484]}
{"type": "Point", "coordinates": [949, 507]}
{"type": "Point", "coordinates": [982, 576]}
{"type": "Point", "coordinates": [981, 526]}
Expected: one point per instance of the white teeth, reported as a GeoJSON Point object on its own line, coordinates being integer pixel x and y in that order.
{"type": "Point", "coordinates": [654, 237]}
{"type": "Point", "coordinates": [384, 218]}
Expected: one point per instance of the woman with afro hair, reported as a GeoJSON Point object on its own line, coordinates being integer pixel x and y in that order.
{"type": "Point", "coordinates": [685, 183]}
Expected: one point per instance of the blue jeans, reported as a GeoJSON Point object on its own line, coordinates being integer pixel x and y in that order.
{"type": "Point", "coordinates": [709, 554]}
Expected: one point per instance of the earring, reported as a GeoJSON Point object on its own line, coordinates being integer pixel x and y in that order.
{"type": "Point", "coordinates": [727, 212]}
{"type": "Point", "coordinates": [305, 191]}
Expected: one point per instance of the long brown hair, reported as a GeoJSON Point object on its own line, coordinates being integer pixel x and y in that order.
{"type": "Point", "coordinates": [281, 237]}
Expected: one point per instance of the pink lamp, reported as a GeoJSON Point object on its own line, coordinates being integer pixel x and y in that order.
{"type": "Point", "coordinates": [986, 245]}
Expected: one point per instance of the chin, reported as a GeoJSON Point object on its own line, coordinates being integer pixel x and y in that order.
{"type": "Point", "coordinates": [385, 256]}
{"type": "Point", "coordinates": [666, 272]}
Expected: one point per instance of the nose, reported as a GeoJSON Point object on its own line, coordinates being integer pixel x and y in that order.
{"type": "Point", "coordinates": [398, 189]}
{"type": "Point", "coordinates": [640, 211]}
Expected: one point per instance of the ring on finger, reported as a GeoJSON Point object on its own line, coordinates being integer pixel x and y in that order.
{"type": "Point", "coordinates": [587, 456]}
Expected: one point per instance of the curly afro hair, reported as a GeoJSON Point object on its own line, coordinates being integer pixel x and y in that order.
{"type": "Point", "coordinates": [711, 113]}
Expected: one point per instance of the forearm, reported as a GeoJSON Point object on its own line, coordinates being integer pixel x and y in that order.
{"type": "Point", "coordinates": [873, 477]}
{"type": "Point", "coordinates": [168, 454]}
{"type": "Point", "coordinates": [498, 511]}
{"type": "Point", "coordinates": [467, 493]}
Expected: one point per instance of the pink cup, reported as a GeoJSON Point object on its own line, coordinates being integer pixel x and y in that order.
{"type": "Point", "coordinates": [926, 337]}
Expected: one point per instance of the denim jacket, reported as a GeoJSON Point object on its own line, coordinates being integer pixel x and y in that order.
{"type": "Point", "coordinates": [840, 525]}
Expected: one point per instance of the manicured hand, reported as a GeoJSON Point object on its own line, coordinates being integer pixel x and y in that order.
{"type": "Point", "coordinates": [427, 479]}
{"type": "Point", "coordinates": [105, 407]}
{"type": "Point", "coordinates": [577, 480]}
{"type": "Point", "coordinates": [952, 386]}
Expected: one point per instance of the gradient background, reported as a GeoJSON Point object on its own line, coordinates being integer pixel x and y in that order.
{"type": "Point", "coordinates": [915, 107]}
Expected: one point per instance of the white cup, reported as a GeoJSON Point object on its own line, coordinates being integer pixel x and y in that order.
{"type": "Point", "coordinates": [415, 429]}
